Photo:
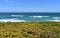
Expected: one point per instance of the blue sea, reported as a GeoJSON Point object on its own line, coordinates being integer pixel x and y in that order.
{"type": "Point", "coordinates": [29, 17]}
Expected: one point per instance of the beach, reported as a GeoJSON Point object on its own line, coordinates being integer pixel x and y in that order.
{"type": "Point", "coordinates": [29, 29]}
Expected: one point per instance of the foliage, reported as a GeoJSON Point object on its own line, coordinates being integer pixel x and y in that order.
{"type": "Point", "coordinates": [30, 30]}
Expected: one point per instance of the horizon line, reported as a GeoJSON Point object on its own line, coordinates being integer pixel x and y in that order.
{"type": "Point", "coordinates": [30, 12]}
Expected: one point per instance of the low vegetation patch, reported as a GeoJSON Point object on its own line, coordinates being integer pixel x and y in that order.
{"type": "Point", "coordinates": [30, 30]}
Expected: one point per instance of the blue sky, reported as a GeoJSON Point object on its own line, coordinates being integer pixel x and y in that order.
{"type": "Point", "coordinates": [29, 5]}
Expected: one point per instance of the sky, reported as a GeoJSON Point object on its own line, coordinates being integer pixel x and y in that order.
{"type": "Point", "coordinates": [29, 5]}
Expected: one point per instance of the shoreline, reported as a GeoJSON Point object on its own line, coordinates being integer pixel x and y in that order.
{"type": "Point", "coordinates": [16, 20]}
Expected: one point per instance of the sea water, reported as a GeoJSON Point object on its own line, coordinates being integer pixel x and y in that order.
{"type": "Point", "coordinates": [29, 17]}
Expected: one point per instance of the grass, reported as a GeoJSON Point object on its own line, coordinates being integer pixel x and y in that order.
{"type": "Point", "coordinates": [30, 30]}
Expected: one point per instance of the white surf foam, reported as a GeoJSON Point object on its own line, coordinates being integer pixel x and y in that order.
{"type": "Point", "coordinates": [17, 15]}
{"type": "Point", "coordinates": [11, 20]}
{"type": "Point", "coordinates": [38, 16]}
{"type": "Point", "coordinates": [54, 20]}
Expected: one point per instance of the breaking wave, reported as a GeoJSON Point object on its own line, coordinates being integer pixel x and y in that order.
{"type": "Point", "coordinates": [11, 20]}
{"type": "Point", "coordinates": [54, 20]}
{"type": "Point", "coordinates": [17, 15]}
{"type": "Point", "coordinates": [38, 16]}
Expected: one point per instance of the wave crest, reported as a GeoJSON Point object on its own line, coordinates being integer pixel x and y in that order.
{"type": "Point", "coordinates": [38, 16]}
{"type": "Point", "coordinates": [54, 20]}
{"type": "Point", "coordinates": [11, 20]}
{"type": "Point", "coordinates": [17, 15]}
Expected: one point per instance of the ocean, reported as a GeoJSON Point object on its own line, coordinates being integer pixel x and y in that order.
{"type": "Point", "coordinates": [29, 17]}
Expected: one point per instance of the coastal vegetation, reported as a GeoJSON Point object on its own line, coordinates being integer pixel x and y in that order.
{"type": "Point", "coordinates": [29, 29]}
